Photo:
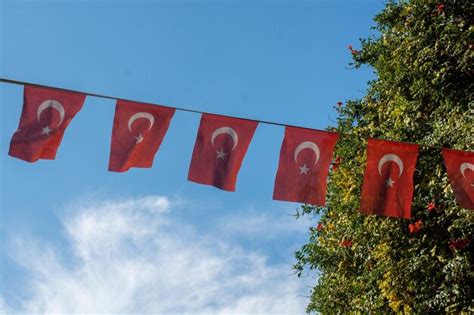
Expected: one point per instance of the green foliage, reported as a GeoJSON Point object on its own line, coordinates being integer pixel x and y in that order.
{"type": "Point", "coordinates": [423, 93]}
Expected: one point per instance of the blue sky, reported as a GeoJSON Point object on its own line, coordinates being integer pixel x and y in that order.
{"type": "Point", "coordinates": [71, 232]}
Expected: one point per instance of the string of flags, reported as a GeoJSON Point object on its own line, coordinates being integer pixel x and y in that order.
{"type": "Point", "coordinates": [221, 144]}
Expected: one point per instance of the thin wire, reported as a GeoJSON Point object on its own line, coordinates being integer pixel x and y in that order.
{"type": "Point", "coordinates": [183, 109]}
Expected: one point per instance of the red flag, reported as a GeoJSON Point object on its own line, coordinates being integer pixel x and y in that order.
{"type": "Point", "coordinates": [305, 158]}
{"type": "Point", "coordinates": [46, 114]}
{"type": "Point", "coordinates": [388, 178]}
{"type": "Point", "coordinates": [138, 132]}
{"type": "Point", "coordinates": [460, 168]}
{"type": "Point", "coordinates": [220, 147]}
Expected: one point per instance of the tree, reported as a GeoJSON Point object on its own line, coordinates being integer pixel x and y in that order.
{"type": "Point", "coordinates": [423, 93]}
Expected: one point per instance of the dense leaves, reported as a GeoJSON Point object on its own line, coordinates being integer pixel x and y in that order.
{"type": "Point", "coordinates": [422, 58]}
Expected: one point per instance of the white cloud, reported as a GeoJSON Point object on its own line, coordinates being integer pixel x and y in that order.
{"type": "Point", "coordinates": [132, 256]}
{"type": "Point", "coordinates": [3, 306]}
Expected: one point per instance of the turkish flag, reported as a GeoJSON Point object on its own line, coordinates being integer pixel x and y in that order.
{"type": "Point", "coordinates": [460, 168]}
{"type": "Point", "coordinates": [305, 158]}
{"type": "Point", "coordinates": [46, 114]}
{"type": "Point", "coordinates": [388, 178]}
{"type": "Point", "coordinates": [137, 134]}
{"type": "Point", "coordinates": [221, 144]}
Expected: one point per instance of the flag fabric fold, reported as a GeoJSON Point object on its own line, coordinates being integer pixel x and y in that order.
{"type": "Point", "coordinates": [138, 131]}
{"type": "Point", "coordinates": [388, 179]}
{"type": "Point", "coordinates": [220, 147]}
{"type": "Point", "coordinates": [45, 116]}
{"type": "Point", "coordinates": [305, 158]}
{"type": "Point", "coordinates": [460, 169]}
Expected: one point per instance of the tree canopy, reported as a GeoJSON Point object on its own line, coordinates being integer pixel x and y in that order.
{"type": "Point", "coordinates": [422, 57]}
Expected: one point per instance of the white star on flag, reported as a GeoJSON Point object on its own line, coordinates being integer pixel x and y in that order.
{"type": "Point", "coordinates": [221, 154]}
{"type": "Point", "coordinates": [139, 138]}
{"type": "Point", "coordinates": [304, 169]}
{"type": "Point", "coordinates": [46, 130]}
{"type": "Point", "coordinates": [389, 182]}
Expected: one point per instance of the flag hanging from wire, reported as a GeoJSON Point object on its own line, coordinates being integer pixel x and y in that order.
{"type": "Point", "coordinates": [45, 116]}
{"type": "Point", "coordinates": [137, 134]}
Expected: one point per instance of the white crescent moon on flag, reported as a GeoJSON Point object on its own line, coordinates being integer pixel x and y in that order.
{"type": "Point", "coordinates": [227, 130]}
{"type": "Point", "coordinates": [391, 157]}
{"type": "Point", "coordinates": [53, 104]}
{"type": "Point", "coordinates": [141, 115]}
{"type": "Point", "coordinates": [307, 145]}
{"type": "Point", "coordinates": [464, 167]}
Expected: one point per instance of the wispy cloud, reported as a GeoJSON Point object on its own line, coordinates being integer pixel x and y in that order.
{"type": "Point", "coordinates": [133, 256]}
{"type": "Point", "coordinates": [3, 306]}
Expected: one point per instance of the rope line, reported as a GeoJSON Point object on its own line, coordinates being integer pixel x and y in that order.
{"type": "Point", "coordinates": [185, 109]}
